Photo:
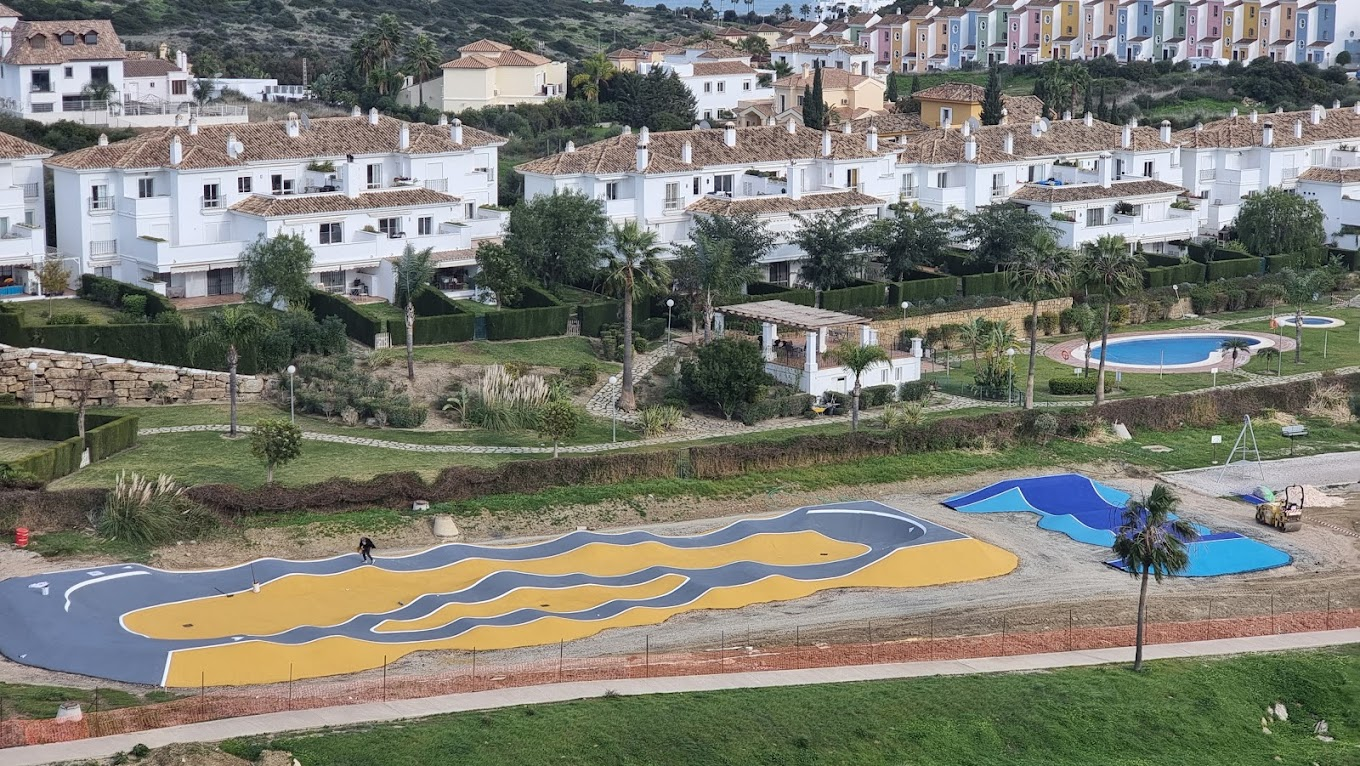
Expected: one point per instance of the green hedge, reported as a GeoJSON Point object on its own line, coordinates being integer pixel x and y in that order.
{"type": "Point", "coordinates": [109, 434]}
{"type": "Point", "coordinates": [1165, 276]}
{"type": "Point", "coordinates": [594, 316]}
{"type": "Point", "coordinates": [110, 292]}
{"type": "Point", "coordinates": [958, 265]}
{"type": "Point", "coordinates": [1308, 259]}
{"type": "Point", "coordinates": [1077, 386]}
{"type": "Point", "coordinates": [513, 324]}
{"type": "Point", "coordinates": [11, 327]}
{"type": "Point", "coordinates": [800, 296]}
{"type": "Point", "coordinates": [877, 396]}
{"type": "Point", "coordinates": [860, 295]}
{"type": "Point", "coordinates": [1230, 265]}
{"type": "Point", "coordinates": [54, 462]}
{"type": "Point", "coordinates": [922, 286]}
{"type": "Point", "coordinates": [358, 325]}
{"type": "Point", "coordinates": [430, 302]}
{"type": "Point", "coordinates": [1158, 259]}
{"type": "Point", "coordinates": [104, 435]}
{"type": "Point", "coordinates": [991, 283]}
{"type": "Point", "coordinates": [535, 298]}
{"type": "Point", "coordinates": [433, 330]}
{"type": "Point", "coordinates": [155, 342]}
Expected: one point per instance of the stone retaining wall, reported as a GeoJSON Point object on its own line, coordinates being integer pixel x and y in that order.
{"type": "Point", "coordinates": [111, 381]}
{"type": "Point", "coordinates": [1015, 313]}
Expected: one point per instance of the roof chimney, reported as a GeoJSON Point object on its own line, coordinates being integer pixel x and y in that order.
{"type": "Point", "coordinates": [967, 129]}
{"type": "Point", "coordinates": [176, 151]}
{"type": "Point", "coordinates": [182, 60]}
{"type": "Point", "coordinates": [687, 153]}
{"type": "Point", "coordinates": [443, 120]}
{"type": "Point", "coordinates": [1199, 127]}
{"type": "Point", "coordinates": [845, 126]}
{"type": "Point", "coordinates": [643, 158]}
{"type": "Point", "coordinates": [193, 126]}
{"type": "Point", "coordinates": [1298, 128]}
{"type": "Point", "coordinates": [1008, 143]}
{"type": "Point", "coordinates": [1035, 128]}
{"type": "Point", "coordinates": [1089, 120]}
{"type": "Point", "coordinates": [1233, 113]}
{"type": "Point", "coordinates": [769, 122]}
{"type": "Point", "coordinates": [1268, 134]}
{"type": "Point", "coordinates": [1336, 104]}
{"type": "Point", "coordinates": [232, 151]}
{"type": "Point", "coordinates": [103, 139]}
{"type": "Point", "coordinates": [1103, 165]}
{"type": "Point", "coordinates": [871, 139]}
{"type": "Point", "coordinates": [627, 130]}
{"type": "Point", "coordinates": [373, 116]}
{"type": "Point", "coordinates": [1357, 107]}
{"type": "Point", "coordinates": [729, 134]}
{"type": "Point", "coordinates": [1126, 140]}
{"type": "Point", "coordinates": [826, 142]}
{"type": "Point", "coordinates": [570, 147]}
{"type": "Point", "coordinates": [1279, 110]}
{"type": "Point", "coordinates": [1166, 131]}
{"type": "Point", "coordinates": [1067, 115]}
{"type": "Point", "coordinates": [792, 126]}
{"type": "Point", "coordinates": [1318, 114]}
{"type": "Point", "coordinates": [1005, 116]}
{"type": "Point", "coordinates": [1254, 117]}
{"type": "Point", "coordinates": [456, 131]}
{"type": "Point", "coordinates": [794, 178]}
{"type": "Point", "coordinates": [354, 111]}
{"type": "Point", "coordinates": [291, 125]}
{"type": "Point", "coordinates": [404, 136]}
{"type": "Point", "coordinates": [970, 149]}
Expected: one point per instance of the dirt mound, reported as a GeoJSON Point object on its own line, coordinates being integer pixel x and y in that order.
{"type": "Point", "coordinates": [191, 754]}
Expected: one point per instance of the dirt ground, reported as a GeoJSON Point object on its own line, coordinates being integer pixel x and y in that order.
{"type": "Point", "coordinates": [1058, 579]}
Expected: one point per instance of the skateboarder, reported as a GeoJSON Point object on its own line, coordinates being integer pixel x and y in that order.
{"type": "Point", "coordinates": [366, 547]}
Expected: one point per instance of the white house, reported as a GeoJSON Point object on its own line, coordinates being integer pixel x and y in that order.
{"type": "Point", "coordinates": [22, 218]}
{"type": "Point", "coordinates": [1337, 192]}
{"type": "Point", "coordinates": [718, 86]}
{"type": "Point", "coordinates": [175, 207]}
{"type": "Point", "coordinates": [828, 52]}
{"type": "Point", "coordinates": [157, 84]}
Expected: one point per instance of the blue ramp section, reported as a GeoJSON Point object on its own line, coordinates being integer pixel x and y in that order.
{"type": "Point", "coordinates": [1090, 512]}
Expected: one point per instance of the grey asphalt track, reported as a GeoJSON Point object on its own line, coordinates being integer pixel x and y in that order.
{"type": "Point", "coordinates": [76, 625]}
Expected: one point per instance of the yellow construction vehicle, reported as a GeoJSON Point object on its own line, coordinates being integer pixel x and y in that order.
{"type": "Point", "coordinates": [1285, 515]}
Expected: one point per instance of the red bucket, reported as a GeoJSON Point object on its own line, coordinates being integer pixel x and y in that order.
{"type": "Point", "coordinates": [21, 537]}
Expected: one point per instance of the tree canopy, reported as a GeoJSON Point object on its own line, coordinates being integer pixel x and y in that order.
{"type": "Point", "coordinates": [656, 100]}
{"type": "Point", "coordinates": [914, 236]}
{"type": "Point", "coordinates": [278, 269]}
{"type": "Point", "coordinates": [552, 239]}
{"type": "Point", "coordinates": [994, 230]}
{"type": "Point", "coordinates": [991, 99]}
{"type": "Point", "coordinates": [1278, 221]}
{"type": "Point", "coordinates": [726, 373]}
{"type": "Point", "coordinates": [833, 242]}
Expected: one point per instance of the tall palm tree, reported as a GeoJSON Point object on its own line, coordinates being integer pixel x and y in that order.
{"type": "Point", "coordinates": [1115, 270]}
{"type": "Point", "coordinates": [422, 61]}
{"type": "Point", "coordinates": [1151, 541]}
{"type": "Point", "coordinates": [386, 38]}
{"type": "Point", "coordinates": [1299, 288]}
{"type": "Point", "coordinates": [857, 359]}
{"type": "Point", "coordinates": [1037, 271]}
{"type": "Point", "coordinates": [786, 11]}
{"type": "Point", "coordinates": [973, 334]}
{"type": "Point", "coordinates": [805, 10]}
{"type": "Point", "coordinates": [224, 332]}
{"type": "Point", "coordinates": [635, 267]}
{"type": "Point", "coordinates": [413, 270]}
{"type": "Point", "coordinates": [1236, 346]}
{"type": "Point", "coordinates": [595, 69]}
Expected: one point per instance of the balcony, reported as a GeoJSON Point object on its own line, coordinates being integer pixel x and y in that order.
{"type": "Point", "coordinates": [211, 204]}
{"type": "Point", "coordinates": [99, 204]}
{"type": "Point", "coordinates": [1208, 174]}
{"type": "Point", "coordinates": [437, 184]}
{"type": "Point", "coordinates": [103, 247]}
{"type": "Point", "coordinates": [30, 190]}
{"type": "Point", "coordinates": [941, 199]}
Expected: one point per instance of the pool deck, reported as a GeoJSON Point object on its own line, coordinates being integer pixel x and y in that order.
{"type": "Point", "coordinates": [1065, 352]}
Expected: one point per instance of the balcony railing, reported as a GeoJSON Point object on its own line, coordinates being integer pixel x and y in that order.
{"type": "Point", "coordinates": [30, 191]}
{"type": "Point", "coordinates": [437, 184]}
{"type": "Point", "coordinates": [1207, 175]}
{"type": "Point", "coordinates": [103, 246]}
{"type": "Point", "coordinates": [100, 204]}
{"type": "Point", "coordinates": [673, 204]}
{"type": "Point", "coordinates": [210, 203]}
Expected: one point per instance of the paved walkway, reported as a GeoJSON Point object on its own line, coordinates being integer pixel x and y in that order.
{"type": "Point", "coordinates": [374, 712]}
{"type": "Point", "coordinates": [1330, 470]}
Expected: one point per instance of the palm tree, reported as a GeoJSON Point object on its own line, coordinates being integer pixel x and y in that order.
{"type": "Point", "coordinates": [1151, 541]}
{"type": "Point", "coordinates": [1236, 346]}
{"type": "Point", "coordinates": [634, 268]}
{"type": "Point", "coordinates": [1299, 288]}
{"type": "Point", "coordinates": [973, 334]}
{"type": "Point", "coordinates": [781, 69]}
{"type": "Point", "coordinates": [786, 11]}
{"type": "Point", "coordinates": [595, 69]}
{"type": "Point", "coordinates": [857, 359]}
{"type": "Point", "coordinates": [422, 61]}
{"type": "Point", "coordinates": [386, 38]}
{"type": "Point", "coordinates": [225, 331]}
{"type": "Point", "coordinates": [412, 270]}
{"type": "Point", "coordinates": [805, 10]}
{"type": "Point", "coordinates": [1116, 270]}
{"type": "Point", "coordinates": [1038, 271]}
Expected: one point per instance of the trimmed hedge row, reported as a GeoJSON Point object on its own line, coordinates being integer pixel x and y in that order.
{"type": "Point", "coordinates": [430, 302]}
{"type": "Point", "coordinates": [438, 320]}
{"type": "Point", "coordinates": [53, 462]}
{"type": "Point", "coordinates": [1075, 386]}
{"type": "Point", "coordinates": [990, 283]}
{"type": "Point", "coordinates": [1230, 265]}
{"type": "Point", "coordinates": [513, 324]}
{"type": "Point", "coordinates": [358, 325]}
{"type": "Point", "coordinates": [856, 296]}
{"type": "Point", "coordinates": [110, 292]}
{"type": "Point", "coordinates": [922, 286]}
{"type": "Point", "coordinates": [1308, 259]}
{"type": "Point", "coordinates": [104, 435]}
{"type": "Point", "coordinates": [594, 316]}
{"type": "Point", "coordinates": [1165, 276]}
{"type": "Point", "coordinates": [109, 434]}
{"type": "Point", "coordinates": [800, 296]}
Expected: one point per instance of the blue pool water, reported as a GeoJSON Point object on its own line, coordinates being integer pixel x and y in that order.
{"type": "Point", "coordinates": [1316, 321]}
{"type": "Point", "coordinates": [1090, 512]}
{"type": "Point", "coordinates": [1154, 350]}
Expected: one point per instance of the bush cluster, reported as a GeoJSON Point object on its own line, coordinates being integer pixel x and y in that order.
{"type": "Point", "coordinates": [877, 396]}
{"type": "Point", "coordinates": [1075, 385]}
{"type": "Point", "coordinates": [914, 391]}
{"type": "Point", "coordinates": [326, 385]}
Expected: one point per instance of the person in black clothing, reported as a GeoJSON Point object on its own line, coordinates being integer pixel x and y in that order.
{"type": "Point", "coordinates": [366, 547]}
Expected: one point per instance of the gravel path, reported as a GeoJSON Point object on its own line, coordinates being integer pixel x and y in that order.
{"type": "Point", "coordinates": [1339, 469]}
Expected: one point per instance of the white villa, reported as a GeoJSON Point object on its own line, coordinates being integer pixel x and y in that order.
{"type": "Point", "coordinates": [175, 207]}
{"type": "Point", "coordinates": [79, 70]}
{"type": "Point", "coordinates": [22, 218]}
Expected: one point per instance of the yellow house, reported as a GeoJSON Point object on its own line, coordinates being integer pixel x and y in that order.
{"type": "Point", "coordinates": [625, 59]}
{"type": "Point", "coordinates": [488, 73]}
{"type": "Point", "coordinates": [1231, 28]}
{"type": "Point", "coordinates": [851, 95]}
{"type": "Point", "coordinates": [1251, 19]}
{"type": "Point", "coordinates": [950, 104]}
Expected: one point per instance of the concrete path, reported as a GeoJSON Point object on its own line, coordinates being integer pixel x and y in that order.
{"type": "Point", "coordinates": [374, 712]}
{"type": "Point", "coordinates": [1330, 470]}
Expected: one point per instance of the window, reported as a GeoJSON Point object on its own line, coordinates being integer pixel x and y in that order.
{"type": "Point", "coordinates": [708, 87]}
{"type": "Point", "coordinates": [1035, 173]}
{"type": "Point", "coordinates": [390, 226]}
{"type": "Point", "coordinates": [146, 187]}
{"type": "Point", "coordinates": [424, 226]}
{"type": "Point", "coordinates": [99, 197]}
{"type": "Point", "coordinates": [673, 195]}
{"type": "Point", "coordinates": [852, 178]}
{"type": "Point", "coordinates": [1095, 216]}
{"type": "Point", "coordinates": [908, 186]}
{"type": "Point", "coordinates": [280, 185]}
{"type": "Point", "coordinates": [67, 38]}
{"type": "Point", "coordinates": [1319, 157]}
{"type": "Point", "coordinates": [42, 81]}
{"type": "Point", "coordinates": [375, 177]}
{"type": "Point", "coordinates": [211, 197]}
{"type": "Point", "coordinates": [696, 186]}
{"type": "Point", "coordinates": [69, 72]}
{"type": "Point", "coordinates": [946, 115]}
{"type": "Point", "coordinates": [998, 184]}
{"type": "Point", "coordinates": [332, 233]}
{"type": "Point", "coordinates": [779, 273]}
{"type": "Point", "coordinates": [611, 190]}
{"type": "Point", "coordinates": [178, 87]}
{"type": "Point", "coordinates": [91, 38]}
{"type": "Point", "coordinates": [722, 184]}
{"type": "Point", "coordinates": [243, 185]}
{"type": "Point", "coordinates": [38, 41]}
{"type": "Point", "coordinates": [99, 74]}
{"type": "Point", "coordinates": [469, 210]}
{"type": "Point", "coordinates": [722, 87]}
{"type": "Point", "coordinates": [745, 84]}
{"type": "Point", "coordinates": [1147, 169]}
{"type": "Point", "coordinates": [942, 180]}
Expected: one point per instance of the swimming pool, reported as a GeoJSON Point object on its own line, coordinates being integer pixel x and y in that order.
{"type": "Point", "coordinates": [1311, 322]}
{"type": "Point", "coordinates": [1169, 352]}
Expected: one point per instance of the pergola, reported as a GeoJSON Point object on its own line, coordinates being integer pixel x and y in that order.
{"type": "Point", "coordinates": [815, 322]}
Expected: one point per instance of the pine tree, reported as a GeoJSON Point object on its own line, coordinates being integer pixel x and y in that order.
{"type": "Point", "coordinates": [991, 101]}
{"type": "Point", "coordinates": [818, 98]}
{"type": "Point", "coordinates": [1100, 110]}
{"type": "Point", "coordinates": [915, 83]}
{"type": "Point", "coordinates": [809, 110]}
{"type": "Point", "coordinates": [1086, 103]}
{"type": "Point", "coordinates": [891, 95]}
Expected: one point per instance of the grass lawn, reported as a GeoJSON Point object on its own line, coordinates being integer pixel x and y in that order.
{"type": "Point", "coordinates": [1133, 384]}
{"type": "Point", "coordinates": [12, 449]}
{"type": "Point", "coordinates": [30, 701]}
{"type": "Point", "coordinates": [1068, 716]}
{"type": "Point", "coordinates": [1342, 344]}
{"type": "Point", "coordinates": [381, 310]}
{"type": "Point", "coordinates": [547, 352]}
{"type": "Point", "coordinates": [475, 307]}
{"type": "Point", "coordinates": [1201, 108]}
{"type": "Point", "coordinates": [35, 312]}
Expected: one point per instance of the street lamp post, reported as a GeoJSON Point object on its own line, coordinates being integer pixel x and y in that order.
{"type": "Point", "coordinates": [1010, 389]}
{"type": "Point", "coordinates": [614, 381]}
{"type": "Point", "coordinates": [292, 408]}
{"type": "Point", "coordinates": [905, 305]}
{"type": "Point", "coordinates": [32, 384]}
{"type": "Point", "coordinates": [670, 303]}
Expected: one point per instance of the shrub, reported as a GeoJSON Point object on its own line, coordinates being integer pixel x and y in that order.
{"type": "Point", "coordinates": [1048, 322]}
{"type": "Point", "coordinates": [134, 306]}
{"type": "Point", "coordinates": [145, 512]}
{"type": "Point", "coordinates": [559, 420]}
{"type": "Point", "coordinates": [665, 366]}
{"type": "Point", "coordinates": [110, 292]}
{"type": "Point", "coordinates": [652, 329]}
{"type": "Point", "coordinates": [1044, 426]}
{"type": "Point", "coordinates": [67, 318]}
{"type": "Point", "coordinates": [275, 442]}
{"type": "Point", "coordinates": [659, 420]}
{"type": "Point", "coordinates": [327, 384]}
{"type": "Point", "coordinates": [1076, 386]}
{"type": "Point", "coordinates": [502, 402]}
{"type": "Point", "coordinates": [902, 414]}
{"type": "Point", "coordinates": [913, 391]}
{"type": "Point", "coordinates": [877, 396]}
{"type": "Point", "coordinates": [726, 373]}
{"type": "Point", "coordinates": [640, 344]}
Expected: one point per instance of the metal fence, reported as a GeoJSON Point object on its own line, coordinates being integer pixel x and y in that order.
{"type": "Point", "coordinates": [959, 635]}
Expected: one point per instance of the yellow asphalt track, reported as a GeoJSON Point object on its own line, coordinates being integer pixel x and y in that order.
{"type": "Point", "coordinates": [258, 662]}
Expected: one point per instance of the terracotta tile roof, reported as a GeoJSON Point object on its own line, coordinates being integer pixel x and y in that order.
{"type": "Point", "coordinates": [766, 143]}
{"type": "Point", "coordinates": [484, 46]}
{"type": "Point", "coordinates": [771, 205]}
{"type": "Point", "coordinates": [47, 35]}
{"type": "Point", "coordinates": [723, 54]}
{"type": "Point", "coordinates": [15, 148]}
{"type": "Point", "coordinates": [625, 53]}
{"type": "Point", "coordinates": [521, 58]}
{"type": "Point", "coordinates": [1332, 175]}
{"type": "Point", "coordinates": [1063, 138]}
{"type": "Point", "coordinates": [491, 61]}
{"type": "Point", "coordinates": [1240, 132]}
{"type": "Point", "coordinates": [799, 27]}
{"type": "Point", "coordinates": [273, 207]}
{"type": "Point", "coordinates": [1090, 192]}
{"type": "Point", "coordinates": [654, 46]}
{"type": "Point", "coordinates": [952, 91]}
{"type": "Point", "coordinates": [469, 61]}
{"type": "Point", "coordinates": [835, 28]}
{"type": "Point", "coordinates": [827, 39]}
{"type": "Point", "coordinates": [1021, 110]}
{"type": "Point", "coordinates": [922, 11]}
{"type": "Point", "coordinates": [7, 12]}
{"type": "Point", "coordinates": [767, 28]}
{"type": "Point", "coordinates": [831, 78]}
{"type": "Point", "coordinates": [268, 141]}
{"type": "Point", "coordinates": [808, 47]}
{"type": "Point", "coordinates": [893, 123]}
{"type": "Point", "coordinates": [763, 107]}
{"type": "Point", "coordinates": [860, 19]}
{"type": "Point", "coordinates": [707, 45]}
{"type": "Point", "coordinates": [952, 12]}
{"type": "Point", "coordinates": [732, 32]}
{"type": "Point", "coordinates": [148, 67]}
{"type": "Point", "coordinates": [892, 19]}
{"type": "Point", "coordinates": [718, 68]}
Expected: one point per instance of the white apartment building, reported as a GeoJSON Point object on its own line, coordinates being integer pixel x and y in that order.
{"type": "Point", "coordinates": [828, 52]}
{"type": "Point", "coordinates": [718, 76]}
{"type": "Point", "coordinates": [23, 221]}
{"type": "Point", "coordinates": [664, 180]}
{"type": "Point", "coordinates": [79, 70]}
{"type": "Point", "coordinates": [175, 207]}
